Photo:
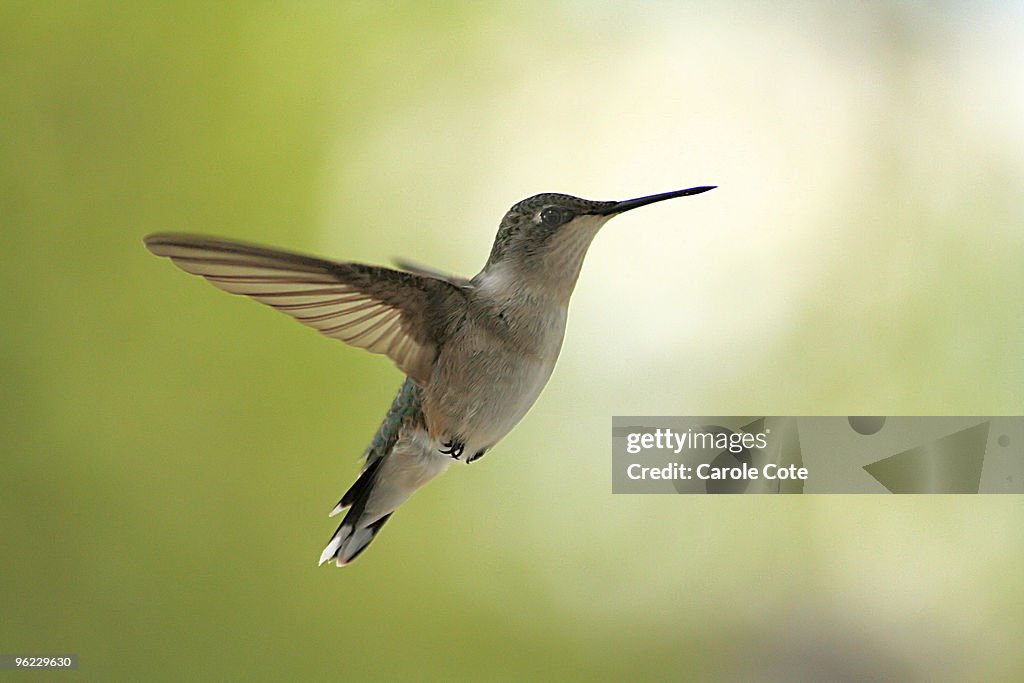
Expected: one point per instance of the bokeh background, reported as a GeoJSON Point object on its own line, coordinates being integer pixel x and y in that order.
{"type": "Point", "coordinates": [170, 453]}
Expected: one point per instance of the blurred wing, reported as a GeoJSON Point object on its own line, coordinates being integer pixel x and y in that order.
{"type": "Point", "coordinates": [427, 271]}
{"type": "Point", "coordinates": [377, 309]}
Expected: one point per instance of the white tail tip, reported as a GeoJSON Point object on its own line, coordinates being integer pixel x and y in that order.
{"type": "Point", "coordinates": [331, 549]}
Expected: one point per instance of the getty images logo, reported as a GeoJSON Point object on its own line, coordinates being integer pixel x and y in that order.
{"type": "Point", "coordinates": [704, 437]}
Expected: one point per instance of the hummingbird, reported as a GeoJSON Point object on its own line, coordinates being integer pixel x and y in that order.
{"type": "Point", "coordinates": [476, 352]}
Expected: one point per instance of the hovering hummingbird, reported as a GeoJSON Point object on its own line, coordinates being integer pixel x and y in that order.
{"type": "Point", "coordinates": [476, 353]}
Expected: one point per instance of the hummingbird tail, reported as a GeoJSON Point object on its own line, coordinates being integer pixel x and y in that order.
{"type": "Point", "coordinates": [386, 482]}
{"type": "Point", "coordinates": [352, 537]}
{"type": "Point", "coordinates": [348, 541]}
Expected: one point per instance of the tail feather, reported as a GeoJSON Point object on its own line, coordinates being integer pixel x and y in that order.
{"type": "Point", "coordinates": [353, 535]}
{"type": "Point", "coordinates": [360, 489]}
{"type": "Point", "coordinates": [348, 541]}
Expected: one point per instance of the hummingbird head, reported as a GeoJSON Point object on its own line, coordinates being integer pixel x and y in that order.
{"type": "Point", "coordinates": [544, 238]}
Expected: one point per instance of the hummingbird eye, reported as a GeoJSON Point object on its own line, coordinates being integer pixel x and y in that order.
{"type": "Point", "coordinates": [553, 216]}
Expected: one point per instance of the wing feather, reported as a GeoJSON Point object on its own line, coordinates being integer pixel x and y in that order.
{"type": "Point", "coordinates": [381, 310]}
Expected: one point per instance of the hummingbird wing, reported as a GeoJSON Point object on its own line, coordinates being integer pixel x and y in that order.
{"type": "Point", "coordinates": [427, 271]}
{"type": "Point", "coordinates": [374, 308]}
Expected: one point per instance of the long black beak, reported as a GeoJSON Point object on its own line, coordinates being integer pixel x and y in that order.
{"type": "Point", "coordinates": [619, 207]}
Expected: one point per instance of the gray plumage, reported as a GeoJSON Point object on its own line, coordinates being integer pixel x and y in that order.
{"type": "Point", "coordinates": [476, 353]}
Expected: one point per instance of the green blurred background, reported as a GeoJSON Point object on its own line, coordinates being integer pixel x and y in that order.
{"type": "Point", "coordinates": [170, 453]}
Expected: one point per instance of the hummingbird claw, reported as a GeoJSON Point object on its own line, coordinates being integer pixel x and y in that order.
{"type": "Point", "coordinates": [452, 448]}
{"type": "Point", "coordinates": [476, 456]}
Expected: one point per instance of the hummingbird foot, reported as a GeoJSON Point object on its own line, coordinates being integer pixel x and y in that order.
{"type": "Point", "coordinates": [476, 456]}
{"type": "Point", "coordinates": [452, 448]}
